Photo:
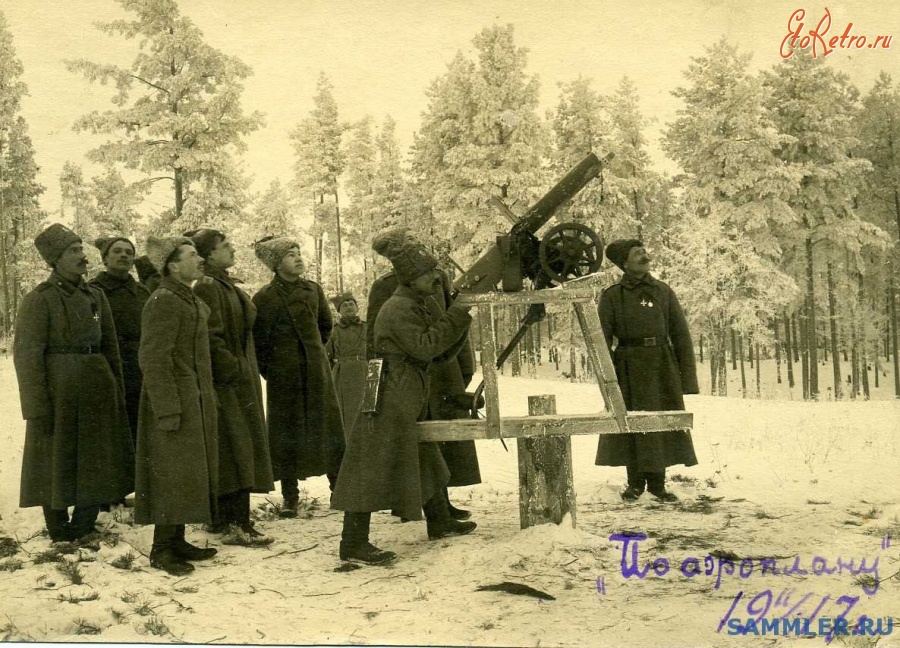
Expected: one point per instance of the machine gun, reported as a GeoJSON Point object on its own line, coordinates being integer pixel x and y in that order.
{"type": "Point", "coordinates": [567, 251]}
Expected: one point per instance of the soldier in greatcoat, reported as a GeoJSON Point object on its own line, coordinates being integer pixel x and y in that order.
{"type": "Point", "coordinates": [385, 466]}
{"type": "Point", "coordinates": [293, 323]}
{"type": "Point", "coordinates": [244, 463]}
{"type": "Point", "coordinates": [449, 378]}
{"type": "Point", "coordinates": [78, 448]}
{"type": "Point", "coordinates": [654, 360]}
{"type": "Point", "coordinates": [177, 450]}
{"type": "Point", "coordinates": [346, 351]}
{"type": "Point", "coordinates": [126, 299]}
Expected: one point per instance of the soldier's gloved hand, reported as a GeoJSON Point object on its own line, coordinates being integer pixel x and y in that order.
{"type": "Point", "coordinates": [42, 424]}
{"type": "Point", "coordinates": [170, 423]}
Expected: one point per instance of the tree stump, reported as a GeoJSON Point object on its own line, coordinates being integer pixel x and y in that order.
{"type": "Point", "coordinates": [546, 485]}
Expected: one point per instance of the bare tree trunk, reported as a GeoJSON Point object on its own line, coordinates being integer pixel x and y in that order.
{"type": "Point", "coordinates": [179, 192]}
{"type": "Point", "coordinates": [812, 342]}
{"type": "Point", "coordinates": [777, 351]}
{"type": "Point", "coordinates": [804, 348]}
{"type": "Point", "coordinates": [854, 356]}
{"type": "Point", "coordinates": [892, 298]}
{"type": "Point", "coordinates": [832, 317]}
{"type": "Point", "coordinates": [750, 350]}
{"type": "Point", "coordinates": [713, 365]}
{"type": "Point", "coordinates": [796, 333]}
{"type": "Point", "coordinates": [701, 348]}
{"type": "Point", "coordinates": [340, 254]}
{"type": "Point", "coordinates": [789, 351]}
{"type": "Point", "coordinates": [733, 350]}
{"type": "Point", "coordinates": [863, 341]}
{"type": "Point", "coordinates": [740, 342]}
{"type": "Point", "coordinates": [756, 355]}
{"type": "Point", "coordinates": [723, 365]}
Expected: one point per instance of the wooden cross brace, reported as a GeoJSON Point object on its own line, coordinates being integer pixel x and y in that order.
{"type": "Point", "coordinates": [546, 492]}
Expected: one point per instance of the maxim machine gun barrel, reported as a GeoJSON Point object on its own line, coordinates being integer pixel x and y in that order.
{"type": "Point", "coordinates": [567, 251]}
{"type": "Point", "coordinates": [516, 255]}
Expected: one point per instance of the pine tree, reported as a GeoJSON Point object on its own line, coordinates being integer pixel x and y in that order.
{"type": "Point", "coordinates": [20, 214]}
{"type": "Point", "coordinates": [480, 138]}
{"type": "Point", "coordinates": [734, 200]}
{"type": "Point", "coordinates": [816, 106]}
{"type": "Point", "coordinates": [178, 110]}
{"type": "Point", "coordinates": [319, 165]}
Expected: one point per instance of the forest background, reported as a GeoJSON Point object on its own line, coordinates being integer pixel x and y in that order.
{"type": "Point", "coordinates": [767, 188]}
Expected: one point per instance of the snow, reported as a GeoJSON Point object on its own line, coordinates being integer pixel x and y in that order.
{"type": "Point", "coordinates": [781, 478]}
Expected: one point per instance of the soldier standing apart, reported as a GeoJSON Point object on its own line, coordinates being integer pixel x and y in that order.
{"type": "Point", "coordinates": [177, 450]}
{"type": "Point", "coordinates": [293, 323]}
{"type": "Point", "coordinates": [346, 351]}
{"type": "Point", "coordinates": [385, 466]}
{"type": "Point", "coordinates": [126, 299]}
{"type": "Point", "coordinates": [244, 462]}
{"type": "Point", "coordinates": [448, 378]}
{"type": "Point", "coordinates": [654, 359]}
{"type": "Point", "coordinates": [78, 449]}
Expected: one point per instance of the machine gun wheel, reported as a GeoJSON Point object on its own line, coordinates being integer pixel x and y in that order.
{"type": "Point", "coordinates": [569, 251]}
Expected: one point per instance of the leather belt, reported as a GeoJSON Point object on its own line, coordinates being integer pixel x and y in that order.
{"type": "Point", "coordinates": [402, 357]}
{"type": "Point", "coordinates": [640, 342]}
{"type": "Point", "coordinates": [73, 350]}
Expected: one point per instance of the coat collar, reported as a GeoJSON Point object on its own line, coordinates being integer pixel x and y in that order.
{"type": "Point", "coordinates": [214, 271]}
{"type": "Point", "coordinates": [355, 321]}
{"type": "Point", "coordinates": [405, 291]}
{"type": "Point", "coordinates": [178, 288]}
{"type": "Point", "coordinates": [109, 282]}
{"type": "Point", "coordinates": [288, 287]}
{"type": "Point", "coordinates": [631, 283]}
{"type": "Point", "coordinates": [67, 286]}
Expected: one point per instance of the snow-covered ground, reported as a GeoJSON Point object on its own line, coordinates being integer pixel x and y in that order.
{"type": "Point", "coordinates": [777, 478]}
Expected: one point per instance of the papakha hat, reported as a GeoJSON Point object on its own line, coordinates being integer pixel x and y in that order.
{"type": "Point", "coordinates": [618, 250]}
{"type": "Point", "coordinates": [271, 250]}
{"type": "Point", "coordinates": [159, 250]}
{"type": "Point", "coordinates": [53, 241]}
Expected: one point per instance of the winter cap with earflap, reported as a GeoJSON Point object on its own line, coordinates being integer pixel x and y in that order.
{"type": "Point", "coordinates": [53, 241]}
{"type": "Point", "coordinates": [618, 250]}
{"type": "Point", "coordinates": [103, 244]}
{"type": "Point", "coordinates": [272, 250]}
{"type": "Point", "coordinates": [409, 257]}
{"type": "Point", "coordinates": [340, 299]}
{"type": "Point", "coordinates": [205, 239]}
{"type": "Point", "coordinates": [160, 249]}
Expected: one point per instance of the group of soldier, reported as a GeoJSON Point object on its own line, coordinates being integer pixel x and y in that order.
{"type": "Point", "coordinates": [153, 387]}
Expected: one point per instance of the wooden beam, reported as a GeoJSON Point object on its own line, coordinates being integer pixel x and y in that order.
{"type": "Point", "coordinates": [601, 363]}
{"type": "Point", "coordinates": [536, 426]}
{"type": "Point", "coordinates": [489, 371]}
{"type": "Point", "coordinates": [550, 296]}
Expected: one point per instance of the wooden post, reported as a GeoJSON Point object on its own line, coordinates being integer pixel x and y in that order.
{"type": "Point", "coordinates": [489, 369]}
{"type": "Point", "coordinates": [546, 483]}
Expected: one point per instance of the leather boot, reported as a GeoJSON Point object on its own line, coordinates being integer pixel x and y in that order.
{"type": "Point", "coordinates": [366, 553]}
{"type": "Point", "coordinates": [456, 513]}
{"type": "Point", "coordinates": [163, 555]}
{"type": "Point", "coordinates": [186, 551]}
{"type": "Point", "coordinates": [440, 523]}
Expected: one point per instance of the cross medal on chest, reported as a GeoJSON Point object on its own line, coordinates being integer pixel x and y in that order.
{"type": "Point", "coordinates": [648, 304]}
{"type": "Point", "coordinates": [96, 317]}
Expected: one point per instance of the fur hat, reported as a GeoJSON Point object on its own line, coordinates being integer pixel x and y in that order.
{"type": "Point", "coordinates": [160, 249]}
{"type": "Point", "coordinates": [53, 241]}
{"type": "Point", "coordinates": [205, 239]}
{"type": "Point", "coordinates": [271, 250]}
{"type": "Point", "coordinates": [103, 243]}
{"type": "Point", "coordinates": [618, 250]}
{"type": "Point", "coordinates": [145, 268]}
{"type": "Point", "coordinates": [409, 257]}
{"type": "Point", "coordinates": [340, 299]}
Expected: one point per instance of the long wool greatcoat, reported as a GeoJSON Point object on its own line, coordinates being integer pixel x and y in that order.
{"type": "Point", "coordinates": [448, 376]}
{"type": "Point", "coordinates": [385, 466]}
{"type": "Point", "coordinates": [126, 299]}
{"type": "Point", "coordinates": [78, 448]}
{"type": "Point", "coordinates": [244, 461]}
{"type": "Point", "coordinates": [346, 351]}
{"type": "Point", "coordinates": [176, 469]}
{"type": "Point", "coordinates": [293, 323]}
{"type": "Point", "coordinates": [652, 378]}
